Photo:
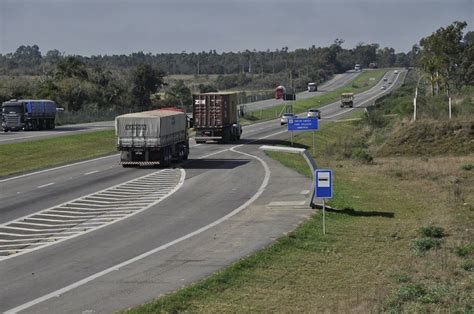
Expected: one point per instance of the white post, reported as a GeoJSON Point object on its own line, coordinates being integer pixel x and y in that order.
{"type": "Point", "coordinates": [291, 138]}
{"type": "Point", "coordinates": [314, 148]}
{"type": "Point", "coordinates": [324, 216]}
{"type": "Point", "coordinates": [414, 109]}
{"type": "Point", "coordinates": [449, 102]}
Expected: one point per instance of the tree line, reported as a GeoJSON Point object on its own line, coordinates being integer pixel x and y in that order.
{"type": "Point", "coordinates": [125, 83]}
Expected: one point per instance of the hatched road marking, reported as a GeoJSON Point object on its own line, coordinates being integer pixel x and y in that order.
{"type": "Point", "coordinates": [87, 213]}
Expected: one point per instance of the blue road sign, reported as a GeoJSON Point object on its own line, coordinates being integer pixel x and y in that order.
{"type": "Point", "coordinates": [302, 124]}
{"type": "Point", "coordinates": [323, 184]}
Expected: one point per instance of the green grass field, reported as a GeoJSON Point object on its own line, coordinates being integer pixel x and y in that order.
{"type": "Point", "coordinates": [27, 156]}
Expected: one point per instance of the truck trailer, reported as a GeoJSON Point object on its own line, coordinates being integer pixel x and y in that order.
{"type": "Point", "coordinates": [28, 114]}
{"type": "Point", "coordinates": [215, 117]}
{"type": "Point", "coordinates": [152, 137]}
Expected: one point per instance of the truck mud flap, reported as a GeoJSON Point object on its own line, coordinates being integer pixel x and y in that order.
{"type": "Point", "coordinates": [203, 138]}
{"type": "Point", "coordinates": [139, 163]}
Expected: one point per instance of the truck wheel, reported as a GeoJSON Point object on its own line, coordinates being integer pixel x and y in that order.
{"type": "Point", "coordinates": [166, 158]}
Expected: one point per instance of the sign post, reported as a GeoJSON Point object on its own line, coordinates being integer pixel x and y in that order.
{"type": "Point", "coordinates": [303, 124]}
{"type": "Point", "coordinates": [323, 186]}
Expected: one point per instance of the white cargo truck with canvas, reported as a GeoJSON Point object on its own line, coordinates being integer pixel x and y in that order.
{"type": "Point", "coordinates": [152, 137]}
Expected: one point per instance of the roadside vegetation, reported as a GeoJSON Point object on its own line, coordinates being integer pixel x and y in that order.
{"type": "Point", "coordinates": [19, 157]}
{"type": "Point", "coordinates": [100, 87]}
{"type": "Point", "coordinates": [399, 228]}
{"type": "Point", "coordinates": [363, 82]}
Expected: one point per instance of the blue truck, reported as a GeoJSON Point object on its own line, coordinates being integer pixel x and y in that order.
{"type": "Point", "coordinates": [28, 114]}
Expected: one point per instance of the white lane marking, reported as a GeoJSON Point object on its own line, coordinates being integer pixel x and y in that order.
{"type": "Point", "coordinates": [91, 172]}
{"type": "Point", "coordinates": [53, 133]}
{"type": "Point", "coordinates": [117, 217]}
{"type": "Point", "coordinates": [45, 185]}
{"type": "Point", "coordinates": [56, 168]}
{"type": "Point", "coordinates": [79, 283]}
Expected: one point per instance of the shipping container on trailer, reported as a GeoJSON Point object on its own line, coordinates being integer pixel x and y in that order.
{"type": "Point", "coordinates": [215, 117]}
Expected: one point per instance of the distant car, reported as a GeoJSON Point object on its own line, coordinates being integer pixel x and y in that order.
{"type": "Point", "coordinates": [284, 118]}
{"type": "Point", "coordinates": [383, 87]}
{"type": "Point", "coordinates": [385, 79]}
{"type": "Point", "coordinates": [396, 71]}
{"type": "Point", "coordinates": [389, 82]}
{"type": "Point", "coordinates": [314, 113]}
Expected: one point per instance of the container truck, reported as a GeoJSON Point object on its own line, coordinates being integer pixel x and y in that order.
{"type": "Point", "coordinates": [28, 114]}
{"type": "Point", "coordinates": [215, 117]}
{"type": "Point", "coordinates": [152, 137]}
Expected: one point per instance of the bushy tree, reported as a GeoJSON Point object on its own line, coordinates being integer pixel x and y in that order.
{"type": "Point", "coordinates": [178, 95]}
{"type": "Point", "coordinates": [146, 80]}
{"type": "Point", "coordinates": [441, 54]}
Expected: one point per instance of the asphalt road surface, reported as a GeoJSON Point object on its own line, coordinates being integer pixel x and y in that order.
{"type": "Point", "coordinates": [336, 82]}
{"type": "Point", "coordinates": [15, 137]}
{"type": "Point", "coordinates": [230, 201]}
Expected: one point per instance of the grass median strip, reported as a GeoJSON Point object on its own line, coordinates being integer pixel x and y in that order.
{"type": "Point", "coordinates": [32, 155]}
{"type": "Point", "coordinates": [363, 82]}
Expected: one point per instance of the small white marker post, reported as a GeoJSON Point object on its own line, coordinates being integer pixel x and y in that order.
{"type": "Point", "coordinates": [414, 109]}
{"type": "Point", "coordinates": [449, 102]}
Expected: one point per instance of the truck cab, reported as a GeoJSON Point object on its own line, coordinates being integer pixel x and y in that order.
{"type": "Point", "coordinates": [312, 87]}
{"type": "Point", "coordinates": [13, 113]}
{"type": "Point", "coordinates": [347, 99]}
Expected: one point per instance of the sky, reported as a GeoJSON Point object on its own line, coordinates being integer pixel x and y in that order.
{"type": "Point", "coordinates": [93, 27]}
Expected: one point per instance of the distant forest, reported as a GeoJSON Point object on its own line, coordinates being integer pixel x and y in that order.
{"type": "Point", "coordinates": [140, 81]}
{"type": "Point", "coordinates": [314, 61]}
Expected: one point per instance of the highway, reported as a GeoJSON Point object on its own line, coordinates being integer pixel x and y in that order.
{"type": "Point", "coordinates": [220, 207]}
{"type": "Point", "coordinates": [339, 80]}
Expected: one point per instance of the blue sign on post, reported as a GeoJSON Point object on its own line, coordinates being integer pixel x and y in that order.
{"type": "Point", "coordinates": [301, 124]}
{"type": "Point", "coordinates": [323, 183]}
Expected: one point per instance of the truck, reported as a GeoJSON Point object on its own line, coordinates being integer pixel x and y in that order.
{"type": "Point", "coordinates": [281, 92]}
{"type": "Point", "coordinates": [215, 117]}
{"type": "Point", "coordinates": [347, 99]}
{"type": "Point", "coordinates": [152, 138]}
{"type": "Point", "coordinates": [357, 67]}
{"type": "Point", "coordinates": [28, 114]}
{"type": "Point", "coordinates": [312, 87]}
